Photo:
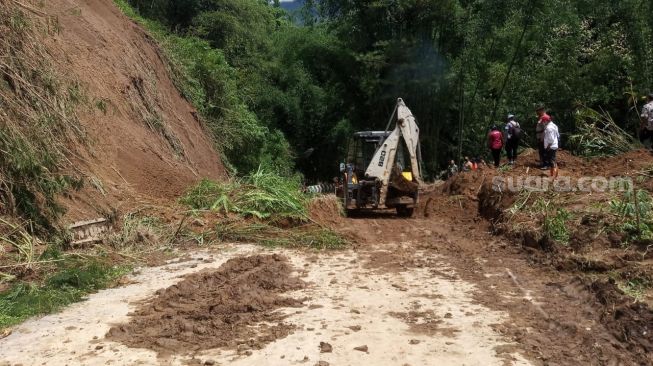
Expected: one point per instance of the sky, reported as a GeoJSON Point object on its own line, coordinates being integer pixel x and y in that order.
{"type": "Point", "coordinates": [291, 4]}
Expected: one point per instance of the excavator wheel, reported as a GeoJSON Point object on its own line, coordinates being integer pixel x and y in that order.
{"type": "Point", "coordinates": [403, 211]}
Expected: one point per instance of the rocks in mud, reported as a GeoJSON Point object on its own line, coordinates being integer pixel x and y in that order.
{"type": "Point", "coordinates": [322, 363]}
{"type": "Point", "coordinates": [325, 347]}
{"type": "Point", "coordinates": [414, 341]}
{"type": "Point", "coordinates": [355, 328]}
{"type": "Point", "coordinates": [361, 348]}
{"type": "Point", "coordinates": [399, 287]}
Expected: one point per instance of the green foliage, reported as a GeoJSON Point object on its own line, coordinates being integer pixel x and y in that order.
{"type": "Point", "coordinates": [262, 194]}
{"type": "Point", "coordinates": [341, 70]}
{"type": "Point", "coordinates": [267, 89]}
{"type": "Point", "coordinates": [634, 215]}
{"type": "Point", "coordinates": [483, 59]}
{"type": "Point", "coordinates": [556, 225]}
{"type": "Point", "coordinates": [70, 283]}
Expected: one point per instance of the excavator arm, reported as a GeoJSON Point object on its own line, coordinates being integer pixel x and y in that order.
{"type": "Point", "coordinates": [383, 161]}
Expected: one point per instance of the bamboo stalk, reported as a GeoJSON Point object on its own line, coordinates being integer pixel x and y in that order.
{"type": "Point", "coordinates": [636, 199]}
{"type": "Point", "coordinates": [30, 263]}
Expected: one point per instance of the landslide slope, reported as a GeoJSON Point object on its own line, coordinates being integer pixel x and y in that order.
{"type": "Point", "coordinates": [145, 142]}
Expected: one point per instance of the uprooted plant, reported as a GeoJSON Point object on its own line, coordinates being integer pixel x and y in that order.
{"type": "Point", "coordinates": [543, 209]}
{"type": "Point", "coordinates": [262, 194]}
{"type": "Point", "coordinates": [304, 236]}
{"type": "Point", "coordinates": [599, 135]}
{"type": "Point", "coordinates": [263, 208]}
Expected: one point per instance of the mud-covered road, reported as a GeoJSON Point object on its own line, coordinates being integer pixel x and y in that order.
{"type": "Point", "coordinates": [436, 291]}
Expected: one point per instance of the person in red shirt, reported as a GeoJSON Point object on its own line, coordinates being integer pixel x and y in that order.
{"type": "Point", "coordinates": [495, 143]}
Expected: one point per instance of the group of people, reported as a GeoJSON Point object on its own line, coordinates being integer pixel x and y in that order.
{"type": "Point", "coordinates": [509, 140]}
{"type": "Point", "coordinates": [546, 133]}
{"type": "Point", "coordinates": [548, 140]}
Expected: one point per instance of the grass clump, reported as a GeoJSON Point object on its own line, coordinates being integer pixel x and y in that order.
{"type": "Point", "coordinates": [555, 226]}
{"type": "Point", "coordinates": [72, 280]}
{"type": "Point", "coordinates": [262, 194]}
{"type": "Point", "coordinates": [554, 220]}
{"type": "Point", "coordinates": [142, 230]}
{"type": "Point", "coordinates": [634, 215]}
{"type": "Point", "coordinates": [635, 288]}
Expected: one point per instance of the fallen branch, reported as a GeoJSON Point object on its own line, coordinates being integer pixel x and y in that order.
{"type": "Point", "coordinates": [30, 263]}
{"type": "Point", "coordinates": [29, 8]}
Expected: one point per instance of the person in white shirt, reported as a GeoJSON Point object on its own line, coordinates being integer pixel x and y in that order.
{"type": "Point", "coordinates": [646, 128]}
{"type": "Point", "coordinates": [551, 141]}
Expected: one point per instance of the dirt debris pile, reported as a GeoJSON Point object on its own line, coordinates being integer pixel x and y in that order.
{"type": "Point", "coordinates": [234, 306]}
{"type": "Point", "coordinates": [630, 322]}
{"type": "Point", "coordinates": [576, 233]}
{"type": "Point", "coordinates": [326, 210]}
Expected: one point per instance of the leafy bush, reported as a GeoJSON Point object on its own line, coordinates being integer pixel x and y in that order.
{"type": "Point", "coordinates": [262, 194]}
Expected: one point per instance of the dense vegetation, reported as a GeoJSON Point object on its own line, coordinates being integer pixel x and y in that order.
{"type": "Point", "coordinates": [337, 66]}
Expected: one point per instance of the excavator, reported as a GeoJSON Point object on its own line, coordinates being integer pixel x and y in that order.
{"type": "Point", "coordinates": [383, 168]}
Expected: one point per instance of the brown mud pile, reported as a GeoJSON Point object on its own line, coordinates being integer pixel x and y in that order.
{"type": "Point", "coordinates": [630, 322]}
{"type": "Point", "coordinates": [235, 304]}
{"type": "Point", "coordinates": [326, 210]}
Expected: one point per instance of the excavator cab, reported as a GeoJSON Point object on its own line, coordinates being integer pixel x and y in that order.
{"type": "Point", "coordinates": [382, 167]}
{"type": "Point", "coordinates": [361, 149]}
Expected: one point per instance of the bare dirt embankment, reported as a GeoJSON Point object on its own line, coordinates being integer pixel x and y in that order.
{"type": "Point", "coordinates": [145, 141]}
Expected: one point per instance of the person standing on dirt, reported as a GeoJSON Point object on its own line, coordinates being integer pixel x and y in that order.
{"type": "Point", "coordinates": [551, 140]}
{"type": "Point", "coordinates": [468, 165]}
{"type": "Point", "coordinates": [452, 169]}
{"type": "Point", "coordinates": [544, 118]}
{"type": "Point", "coordinates": [646, 127]}
{"type": "Point", "coordinates": [495, 143]}
{"type": "Point", "coordinates": [513, 134]}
